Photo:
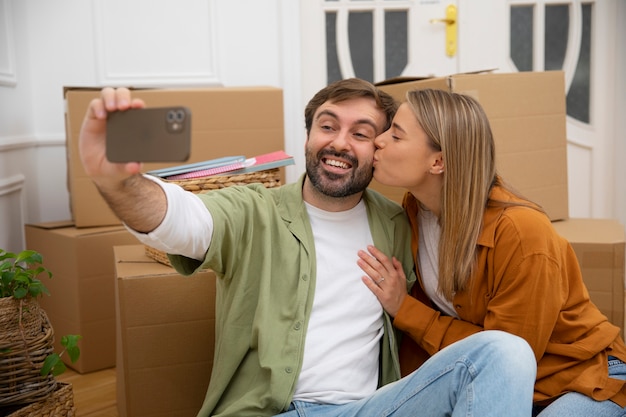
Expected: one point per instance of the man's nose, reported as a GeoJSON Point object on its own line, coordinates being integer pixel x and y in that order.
{"type": "Point", "coordinates": [342, 140]}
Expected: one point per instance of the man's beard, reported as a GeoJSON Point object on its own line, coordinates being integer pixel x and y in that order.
{"type": "Point", "coordinates": [334, 185]}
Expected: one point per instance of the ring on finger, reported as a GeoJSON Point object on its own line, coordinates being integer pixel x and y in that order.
{"type": "Point", "coordinates": [380, 280]}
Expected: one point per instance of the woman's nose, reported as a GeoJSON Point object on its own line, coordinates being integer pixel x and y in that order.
{"type": "Point", "coordinates": [379, 141]}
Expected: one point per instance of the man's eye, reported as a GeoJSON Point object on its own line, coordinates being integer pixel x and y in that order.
{"type": "Point", "coordinates": [363, 136]}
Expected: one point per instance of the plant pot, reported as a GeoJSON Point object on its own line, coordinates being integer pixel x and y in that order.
{"type": "Point", "coordinates": [26, 339]}
{"type": "Point", "coordinates": [60, 403]}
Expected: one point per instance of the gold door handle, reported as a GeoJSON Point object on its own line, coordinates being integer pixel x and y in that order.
{"type": "Point", "coordinates": [446, 21]}
{"type": "Point", "coordinates": [450, 21]}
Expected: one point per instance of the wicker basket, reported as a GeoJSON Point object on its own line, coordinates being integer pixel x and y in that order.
{"type": "Point", "coordinates": [60, 403]}
{"type": "Point", "coordinates": [23, 351]}
{"type": "Point", "coordinates": [269, 178]}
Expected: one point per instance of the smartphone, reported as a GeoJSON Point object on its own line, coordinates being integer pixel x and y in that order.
{"type": "Point", "coordinates": [157, 134]}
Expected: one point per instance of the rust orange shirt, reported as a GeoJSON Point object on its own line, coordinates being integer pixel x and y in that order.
{"type": "Point", "coordinates": [527, 282]}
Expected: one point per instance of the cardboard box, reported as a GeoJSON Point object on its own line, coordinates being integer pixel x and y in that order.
{"type": "Point", "coordinates": [599, 246]}
{"type": "Point", "coordinates": [225, 122]}
{"type": "Point", "coordinates": [82, 288]}
{"type": "Point", "coordinates": [166, 336]}
{"type": "Point", "coordinates": [526, 111]}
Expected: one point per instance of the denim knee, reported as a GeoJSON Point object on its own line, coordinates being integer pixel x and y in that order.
{"type": "Point", "coordinates": [513, 351]}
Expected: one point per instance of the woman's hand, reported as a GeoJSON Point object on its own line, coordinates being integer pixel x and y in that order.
{"type": "Point", "coordinates": [385, 278]}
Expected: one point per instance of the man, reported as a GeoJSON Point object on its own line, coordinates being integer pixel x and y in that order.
{"type": "Point", "coordinates": [297, 332]}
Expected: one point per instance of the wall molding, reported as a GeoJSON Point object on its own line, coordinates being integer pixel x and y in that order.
{"type": "Point", "coordinates": [12, 143]}
{"type": "Point", "coordinates": [12, 184]}
{"type": "Point", "coordinates": [8, 76]}
{"type": "Point", "coordinates": [198, 69]}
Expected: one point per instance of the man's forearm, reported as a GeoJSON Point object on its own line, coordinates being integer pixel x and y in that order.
{"type": "Point", "coordinates": [137, 201]}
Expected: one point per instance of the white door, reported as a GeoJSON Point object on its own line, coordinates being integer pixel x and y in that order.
{"type": "Point", "coordinates": [374, 40]}
{"type": "Point", "coordinates": [381, 39]}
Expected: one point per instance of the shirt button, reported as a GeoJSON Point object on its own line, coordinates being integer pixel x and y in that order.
{"type": "Point", "coordinates": [305, 277]}
{"type": "Point", "coordinates": [288, 369]}
{"type": "Point", "coordinates": [297, 326]}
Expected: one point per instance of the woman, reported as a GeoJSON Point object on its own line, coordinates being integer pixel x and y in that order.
{"type": "Point", "coordinates": [487, 259]}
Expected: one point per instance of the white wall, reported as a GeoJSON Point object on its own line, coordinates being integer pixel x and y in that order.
{"type": "Point", "coordinates": [47, 45]}
{"type": "Point", "coordinates": [620, 106]}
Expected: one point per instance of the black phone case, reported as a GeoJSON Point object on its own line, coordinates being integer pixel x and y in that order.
{"type": "Point", "coordinates": [158, 134]}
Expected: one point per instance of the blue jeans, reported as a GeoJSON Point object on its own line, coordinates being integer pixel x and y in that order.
{"type": "Point", "coordinates": [491, 373]}
{"type": "Point", "coordinates": [574, 404]}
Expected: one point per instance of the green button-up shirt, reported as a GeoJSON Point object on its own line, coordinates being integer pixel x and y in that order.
{"type": "Point", "coordinates": [263, 252]}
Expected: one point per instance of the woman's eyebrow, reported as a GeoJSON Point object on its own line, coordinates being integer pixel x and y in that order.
{"type": "Point", "coordinates": [397, 126]}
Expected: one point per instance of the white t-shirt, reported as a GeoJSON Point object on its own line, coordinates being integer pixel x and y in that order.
{"type": "Point", "coordinates": [429, 235]}
{"type": "Point", "coordinates": [346, 322]}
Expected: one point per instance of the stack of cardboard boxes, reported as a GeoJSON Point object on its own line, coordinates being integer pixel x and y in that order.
{"type": "Point", "coordinates": [165, 323]}
{"type": "Point", "coordinates": [163, 327]}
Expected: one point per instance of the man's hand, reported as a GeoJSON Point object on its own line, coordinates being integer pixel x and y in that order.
{"type": "Point", "coordinates": [92, 139]}
{"type": "Point", "coordinates": [137, 201]}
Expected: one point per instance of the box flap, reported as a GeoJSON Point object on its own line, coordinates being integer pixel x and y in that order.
{"type": "Point", "coordinates": [401, 79]}
{"type": "Point", "coordinates": [411, 78]}
{"type": "Point", "coordinates": [132, 262]}
{"type": "Point", "coordinates": [52, 225]}
{"type": "Point", "coordinates": [591, 230]}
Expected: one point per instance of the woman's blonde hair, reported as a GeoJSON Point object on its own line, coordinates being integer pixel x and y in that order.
{"type": "Point", "coordinates": [457, 126]}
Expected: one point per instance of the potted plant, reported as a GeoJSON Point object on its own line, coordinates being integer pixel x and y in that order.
{"type": "Point", "coordinates": [28, 363]}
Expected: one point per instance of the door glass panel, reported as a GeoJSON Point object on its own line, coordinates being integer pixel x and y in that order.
{"type": "Point", "coordinates": [556, 36]}
{"type": "Point", "coordinates": [332, 60]}
{"type": "Point", "coordinates": [361, 39]}
{"type": "Point", "coordinates": [578, 96]}
{"type": "Point", "coordinates": [396, 43]}
{"type": "Point", "coordinates": [364, 23]}
{"type": "Point", "coordinates": [522, 37]}
{"type": "Point", "coordinates": [556, 40]}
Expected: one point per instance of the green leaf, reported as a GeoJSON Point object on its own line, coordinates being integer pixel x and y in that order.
{"type": "Point", "coordinates": [54, 364]}
{"type": "Point", "coordinates": [74, 353]}
{"type": "Point", "coordinates": [59, 368]}
{"type": "Point", "coordinates": [20, 292]}
{"type": "Point", "coordinates": [29, 257]}
{"type": "Point", "coordinates": [50, 362]}
{"type": "Point", "coordinates": [6, 255]}
{"type": "Point", "coordinates": [36, 288]}
{"type": "Point", "coordinates": [70, 343]}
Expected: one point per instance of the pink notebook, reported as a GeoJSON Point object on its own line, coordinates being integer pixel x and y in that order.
{"type": "Point", "coordinates": [257, 163]}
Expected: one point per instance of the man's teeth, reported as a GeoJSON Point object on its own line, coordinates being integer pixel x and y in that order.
{"type": "Point", "coordinates": [338, 164]}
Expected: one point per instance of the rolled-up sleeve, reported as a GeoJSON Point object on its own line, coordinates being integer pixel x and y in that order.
{"type": "Point", "coordinates": [186, 228]}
